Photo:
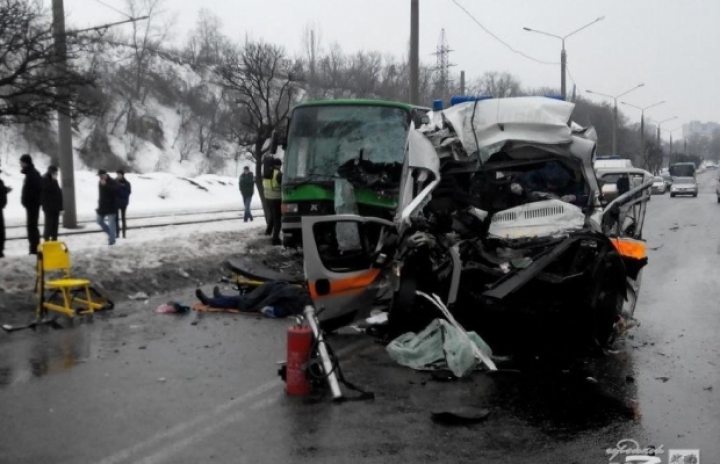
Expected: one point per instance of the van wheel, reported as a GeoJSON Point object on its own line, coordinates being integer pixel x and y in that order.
{"type": "Point", "coordinates": [672, 195]}
{"type": "Point", "coordinates": [694, 195]}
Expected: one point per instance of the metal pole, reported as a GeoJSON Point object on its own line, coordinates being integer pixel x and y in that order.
{"type": "Point", "coordinates": [615, 126]}
{"type": "Point", "coordinates": [330, 373]}
{"type": "Point", "coordinates": [462, 82]}
{"type": "Point", "coordinates": [642, 136]}
{"type": "Point", "coordinates": [414, 52]}
{"type": "Point", "coordinates": [671, 152]}
{"type": "Point", "coordinates": [67, 171]}
{"type": "Point", "coordinates": [684, 146]}
{"type": "Point", "coordinates": [563, 60]}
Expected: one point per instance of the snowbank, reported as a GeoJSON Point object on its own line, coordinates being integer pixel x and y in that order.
{"type": "Point", "coordinates": [153, 261]}
{"type": "Point", "coordinates": [151, 193]}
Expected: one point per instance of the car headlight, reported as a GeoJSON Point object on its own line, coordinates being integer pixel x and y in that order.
{"type": "Point", "coordinates": [289, 208]}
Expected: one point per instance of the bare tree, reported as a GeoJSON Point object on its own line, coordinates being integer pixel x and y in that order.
{"type": "Point", "coordinates": [312, 51]}
{"type": "Point", "coordinates": [205, 45]}
{"type": "Point", "coordinates": [30, 69]}
{"type": "Point", "coordinates": [263, 82]}
{"type": "Point", "coordinates": [498, 84]}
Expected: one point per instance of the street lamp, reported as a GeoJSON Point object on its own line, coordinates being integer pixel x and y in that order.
{"type": "Point", "coordinates": [660, 124]}
{"type": "Point", "coordinates": [642, 121]}
{"type": "Point", "coordinates": [563, 55]}
{"type": "Point", "coordinates": [670, 131]}
{"type": "Point", "coordinates": [615, 111]}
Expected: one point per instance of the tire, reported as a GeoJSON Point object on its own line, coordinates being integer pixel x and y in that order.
{"type": "Point", "coordinates": [672, 195]}
{"type": "Point", "coordinates": [718, 199]}
{"type": "Point", "coordinates": [607, 299]}
{"type": "Point", "coordinates": [694, 195]}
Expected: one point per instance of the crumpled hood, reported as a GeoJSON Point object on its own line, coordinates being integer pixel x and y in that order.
{"type": "Point", "coordinates": [536, 120]}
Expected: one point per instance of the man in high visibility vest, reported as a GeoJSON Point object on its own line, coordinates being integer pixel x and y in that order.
{"type": "Point", "coordinates": [273, 198]}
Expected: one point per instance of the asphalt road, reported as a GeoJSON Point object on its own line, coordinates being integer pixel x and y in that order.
{"type": "Point", "coordinates": [135, 386]}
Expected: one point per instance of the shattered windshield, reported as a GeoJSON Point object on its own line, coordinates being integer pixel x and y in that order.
{"type": "Point", "coordinates": [323, 138]}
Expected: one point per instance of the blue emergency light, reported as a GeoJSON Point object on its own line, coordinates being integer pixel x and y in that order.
{"type": "Point", "coordinates": [437, 105]}
{"type": "Point", "coordinates": [555, 97]}
{"type": "Point", "coordinates": [457, 99]}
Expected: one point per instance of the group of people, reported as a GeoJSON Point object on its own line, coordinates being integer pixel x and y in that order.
{"type": "Point", "coordinates": [272, 182]}
{"type": "Point", "coordinates": [43, 193]}
{"type": "Point", "coordinates": [113, 200]}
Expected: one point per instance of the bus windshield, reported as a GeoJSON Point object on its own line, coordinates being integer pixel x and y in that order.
{"type": "Point", "coordinates": [323, 138]}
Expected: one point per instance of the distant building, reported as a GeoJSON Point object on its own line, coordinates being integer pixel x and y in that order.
{"type": "Point", "coordinates": [700, 128]}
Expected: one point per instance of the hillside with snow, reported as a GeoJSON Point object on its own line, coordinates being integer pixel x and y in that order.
{"type": "Point", "coordinates": [173, 122]}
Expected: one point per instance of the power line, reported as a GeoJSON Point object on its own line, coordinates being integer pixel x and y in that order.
{"type": "Point", "coordinates": [567, 68]}
{"type": "Point", "coordinates": [113, 8]}
{"type": "Point", "coordinates": [491, 34]}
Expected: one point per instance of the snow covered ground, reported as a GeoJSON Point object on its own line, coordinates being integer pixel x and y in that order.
{"type": "Point", "coordinates": [151, 193]}
{"type": "Point", "coordinates": [151, 260]}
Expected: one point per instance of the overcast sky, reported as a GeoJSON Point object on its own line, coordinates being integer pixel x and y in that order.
{"type": "Point", "coordinates": [670, 45]}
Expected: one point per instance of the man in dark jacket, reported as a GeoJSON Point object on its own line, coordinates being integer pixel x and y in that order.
{"type": "Point", "coordinates": [124, 189]}
{"type": "Point", "coordinates": [52, 203]}
{"type": "Point", "coordinates": [31, 199]}
{"type": "Point", "coordinates": [107, 205]}
{"type": "Point", "coordinates": [273, 299]}
{"type": "Point", "coordinates": [247, 188]}
{"type": "Point", "coordinates": [3, 203]}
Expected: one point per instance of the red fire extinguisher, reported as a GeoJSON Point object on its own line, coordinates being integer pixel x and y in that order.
{"type": "Point", "coordinates": [299, 344]}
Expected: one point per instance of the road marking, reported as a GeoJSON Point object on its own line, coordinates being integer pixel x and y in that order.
{"type": "Point", "coordinates": [194, 423]}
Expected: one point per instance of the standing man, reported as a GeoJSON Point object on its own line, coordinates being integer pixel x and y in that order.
{"type": "Point", "coordinates": [31, 199]}
{"type": "Point", "coordinates": [52, 204]}
{"type": "Point", "coordinates": [3, 203]}
{"type": "Point", "coordinates": [273, 197]}
{"type": "Point", "coordinates": [124, 189]}
{"type": "Point", "coordinates": [107, 205]}
{"type": "Point", "coordinates": [247, 188]}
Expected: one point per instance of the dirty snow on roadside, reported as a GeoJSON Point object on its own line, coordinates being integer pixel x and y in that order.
{"type": "Point", "coordinates": [142, 250]}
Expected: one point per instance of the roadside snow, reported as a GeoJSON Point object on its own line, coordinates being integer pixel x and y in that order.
{"type": "Point", "coordinates": [151, 193]}
{"type": "Point", "coordinates": [151, 261]}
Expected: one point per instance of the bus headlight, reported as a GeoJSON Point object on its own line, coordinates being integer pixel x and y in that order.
{"type": "Point", "coordinates": [291, 208]}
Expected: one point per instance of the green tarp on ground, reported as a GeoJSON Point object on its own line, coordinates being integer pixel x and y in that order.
{"type": "Point", "coordinates": [438, 346]}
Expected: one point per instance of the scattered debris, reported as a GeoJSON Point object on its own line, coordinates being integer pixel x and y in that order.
{"type": "Point", "coordinates": [709, 388]}
{"type": "Point", "coordinates": [161, 379]}
{"type": "Point", "coordinates": [139, 296]}
{"type": "Point", "coordinates": [173, 307]}
{"type": "Point", "coordinates": [142, 347]}
{"type": "Point", "coordinates": [663, 378]}
{"type": "Point", "coordinates": [183, 273]}
{"type": "Point", "coordinates": [460, 416]}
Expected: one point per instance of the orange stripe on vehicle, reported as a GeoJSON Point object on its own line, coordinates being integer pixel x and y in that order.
{"type": "Point", "coordinates": [630, 248]}
{"type": "Point", "coordinates": [349, 285]}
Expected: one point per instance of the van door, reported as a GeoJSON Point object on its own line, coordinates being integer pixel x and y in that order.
{"type": "Point", "coordinates": [345, 259]}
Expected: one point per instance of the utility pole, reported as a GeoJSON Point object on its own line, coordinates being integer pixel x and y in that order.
{"type": "Point", "coordinates": [642, 134]}
{"type": "Point", "coordinates": [414, 52]}
{"type": "Point", "coordinates": [65, 156]}
{"type": "Point", "coordinates": [563, 63]}
{"type": "Point", "coordinates": [67, 170]}
{"type": "Point", "coordinates": [462, 82]}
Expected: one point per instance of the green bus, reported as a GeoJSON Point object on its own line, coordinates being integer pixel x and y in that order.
{"type": "Point", "coordinates": [361, 141]}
